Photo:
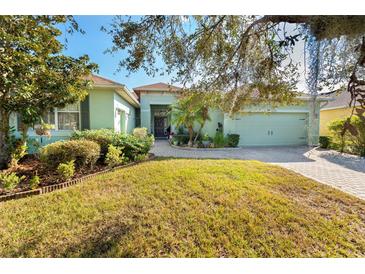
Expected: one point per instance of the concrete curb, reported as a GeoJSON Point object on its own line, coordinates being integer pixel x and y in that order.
{"type": "Point", "coordinates": [204, 149]}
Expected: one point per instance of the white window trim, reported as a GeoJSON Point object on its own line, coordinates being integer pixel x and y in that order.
{"type": "Point", "coordinates": [66, 111]}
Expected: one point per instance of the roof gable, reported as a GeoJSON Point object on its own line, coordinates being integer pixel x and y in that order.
{"type": "Point", "coordinates": [101, 81]}
{"type": "Point", "coordinates": [157, 87]}
{"type": "Point", "coordinates": [119, 88]}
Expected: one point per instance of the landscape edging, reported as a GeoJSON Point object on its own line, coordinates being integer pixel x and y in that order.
{"type": "Point", "coordinates": [51, 188]}
{"type": "Point", "coordinates": [205, 149]}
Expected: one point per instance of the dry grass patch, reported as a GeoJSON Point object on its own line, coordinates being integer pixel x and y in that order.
{"type": "Point", "coordinates": [187, 208]}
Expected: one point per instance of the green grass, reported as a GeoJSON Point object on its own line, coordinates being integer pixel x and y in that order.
{"type": "Point", "coordinates": [187, 208]}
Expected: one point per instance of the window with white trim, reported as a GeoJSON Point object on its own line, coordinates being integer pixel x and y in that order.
{"type": "Point", "coordinates": [67, 118]}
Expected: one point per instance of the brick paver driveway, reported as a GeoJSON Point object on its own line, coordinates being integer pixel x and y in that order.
{"type": "Point", "coordinates": [329, 167]}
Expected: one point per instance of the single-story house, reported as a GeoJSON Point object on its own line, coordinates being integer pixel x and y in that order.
{"type": "Point", "coordinates": [335, 109]}
{"type": "Point", "coordinates": [257, 126]}
{"type": "Point", "coordinates": [112, 105]}
{"type": "Point", "coordinates": [108, 105]}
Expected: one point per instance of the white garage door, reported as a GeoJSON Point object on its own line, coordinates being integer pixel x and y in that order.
{"type": "Point", "coordinates": [259, 129]}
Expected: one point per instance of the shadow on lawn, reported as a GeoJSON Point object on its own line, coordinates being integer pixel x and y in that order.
{"type": "Point", "coordinates": [101, 242]}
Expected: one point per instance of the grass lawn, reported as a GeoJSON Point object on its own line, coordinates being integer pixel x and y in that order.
{"type": "Point", "coordinates": [187, 208]}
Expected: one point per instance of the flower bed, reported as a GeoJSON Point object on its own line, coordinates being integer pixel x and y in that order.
{"type": "Point", "coordinates": [70, 160]}
{"type": "Point", "coordinates": [52, 186]}
{"type": "Point", "coordinates": [206, 142]}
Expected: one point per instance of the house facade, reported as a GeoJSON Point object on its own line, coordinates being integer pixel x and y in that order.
{"type": "Point", "coordinates": [111, 105]}
{"type": "Point", "coordinates": [108, 105]}
{"type": "Point", "coordinates": [257, 125]}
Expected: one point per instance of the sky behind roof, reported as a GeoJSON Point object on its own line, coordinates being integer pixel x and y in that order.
{"type": "Point", "coordinates": [94, 42]}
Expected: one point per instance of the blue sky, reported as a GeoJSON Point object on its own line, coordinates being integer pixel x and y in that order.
{"type": "Point", "coordinates": [94, 42]}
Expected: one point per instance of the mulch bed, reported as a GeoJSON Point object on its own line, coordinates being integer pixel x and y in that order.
{"type": "Point", "coordinates": [30, 166]}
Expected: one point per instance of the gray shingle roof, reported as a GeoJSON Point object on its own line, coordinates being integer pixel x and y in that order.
{"type": "Point", "coordinates": [342, 100]}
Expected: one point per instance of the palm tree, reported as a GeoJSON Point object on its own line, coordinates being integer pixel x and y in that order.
{"type": "Point", "coordinates": [184, 115]}
{"type": "Point", "coordinates": [202, 118]}
{"type": "Point", "coordinates": [189, 109]}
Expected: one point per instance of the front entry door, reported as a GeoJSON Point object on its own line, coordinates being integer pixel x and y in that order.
{"type": "Point", "coordinates": [159, 126]}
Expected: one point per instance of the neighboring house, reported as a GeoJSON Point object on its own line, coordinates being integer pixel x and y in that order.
{"type": "Point", "coordinates": [108, 105]}
{"type": "Point", "coordinates": [112, 105]}
{"type": "Point", "coordinates": [257, 126]}
{"type": "Point", "coordinates": [336, 109]}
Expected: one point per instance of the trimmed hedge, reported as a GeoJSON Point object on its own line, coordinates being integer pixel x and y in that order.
{"type": "Point", "coordinates": [130, 145]}
{"type": "Point", "coordinates": [83, 152]}
{"type": "Point", "coordinates": [324, 141]}
{"type": "Point", "coordinates": [233, 140]}
{"type": "Point", "coordinates": [104, 137]}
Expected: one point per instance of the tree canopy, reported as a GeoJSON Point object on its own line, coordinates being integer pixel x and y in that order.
{"type": "Point", "coordinates": [245, 55]}
{"type": "Point", "coordinates": [35, 75]}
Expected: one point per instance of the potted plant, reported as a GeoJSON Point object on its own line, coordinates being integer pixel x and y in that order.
{"type": "Point", "coordinates": [206, 140]}
{"type": "Point", "coordinates": [44, 129]}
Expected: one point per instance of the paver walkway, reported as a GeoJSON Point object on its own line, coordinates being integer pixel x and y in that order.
{"type": "Point", "coordinates": [345, 172]}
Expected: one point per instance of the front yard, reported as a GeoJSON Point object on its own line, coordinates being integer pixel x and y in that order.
{"type": "Point", "coordinates": [187, 208]}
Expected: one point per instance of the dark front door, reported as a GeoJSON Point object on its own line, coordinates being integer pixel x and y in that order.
{"type": "Point", "coordinates": [159, 126]}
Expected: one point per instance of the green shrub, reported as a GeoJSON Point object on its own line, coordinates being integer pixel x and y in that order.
{"type": "Point", "coordinates": [206, 137]}
{"type": "Point", "coordinates": [140, 132]}
{"type": "Point", "coordinates": [19, 150]}
{"type": "Point", "coordinates": [338, 139]}
{"type": "Point", "coordinates": [83, 152]}
{"type": "Point", "coordinates": [233, 140]}
{"type": "Point", "coordinates": [66, 170]}
{"type": "Point", "coordinates": [218, 139]}
{"type": "Point", "coordinates": [34, 182]}
{"type": "Point", "coordinates": [347, 142]}
{"type": "Point", "coordinates": [10, 180]}
{"type": "Point", "coordinates": [359, 140]}
{"type": "Point", "coordinates": [181, 138]}
{"type": "Point", "coordinates": [131, 145]}
{"type": "Point", "coordinates": [324, 141]}
{"type": "Point", "coordinates": [114, 156]}
{"type": "Point", "coordinates": [104, 137]}
{"type": "Point", "coordinates": [141, 158]}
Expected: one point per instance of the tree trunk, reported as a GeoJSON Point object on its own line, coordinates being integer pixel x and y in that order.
{"type": "Point", "coordinates": [199, 132]}
{"type": "Point", "coordinates": [24, 130]}
{"type": "Point", "coordinates": [4, 139]}
{"type": "Point", "coordinates": [191, 132]}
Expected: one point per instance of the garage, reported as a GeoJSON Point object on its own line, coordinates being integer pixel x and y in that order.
{"type": "Point", "coordinates": [274, 129]}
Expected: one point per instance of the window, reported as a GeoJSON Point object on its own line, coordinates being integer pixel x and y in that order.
{"type": "Point", "coordinates": [48, 118]}
{"type": "Point", "coordinates": [67, 118]}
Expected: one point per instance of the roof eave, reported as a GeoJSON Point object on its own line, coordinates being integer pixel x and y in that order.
{"type": "Point", "coordinates": [130, 98]}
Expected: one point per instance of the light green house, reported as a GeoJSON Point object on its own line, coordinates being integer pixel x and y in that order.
{"type": "Point", "coordinates": [111, 105]}
{"type": "Point", "coordinates": [257, 126]}
{"type": "Point", "coordinates": [108, 105]}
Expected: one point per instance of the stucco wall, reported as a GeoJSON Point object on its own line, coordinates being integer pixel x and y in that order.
{"type": "Point", "coordinates": [326, 116]}
{"type": "Point", "coordinates": [216, 116]}
{"type": "Point", "coordinates": [130, 117]}
{"type": "Point", "coordinates": [101, 108]}
{"type": "Point", "coordinates": [155, 98]}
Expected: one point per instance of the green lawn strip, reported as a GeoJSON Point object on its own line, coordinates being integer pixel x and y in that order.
{"type": "Point", "coordinates": [187, 208]}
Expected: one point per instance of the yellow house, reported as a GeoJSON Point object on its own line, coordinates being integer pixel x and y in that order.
{"type": "Point", "coordinates": [337, 109]}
